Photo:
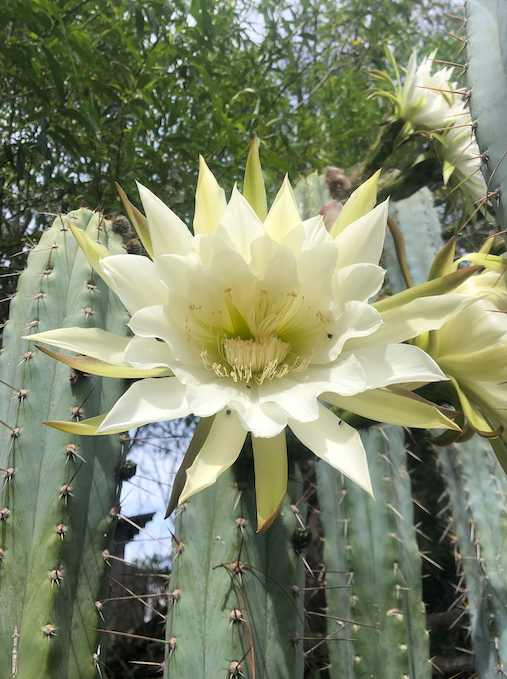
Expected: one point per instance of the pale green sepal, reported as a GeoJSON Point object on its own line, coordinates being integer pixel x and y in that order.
{"type": "Point", "coordinates": [139, 221]}
{"type": "Point", "coordinates": [442, 264]}
{"type": "Point", "coordinates": [200, 435]}
{"type": "Point", "coordinates": [440, 286]}
{"type": "Point", "coordinates": [220, 450]}
{"type": "Point", "coordinates": [254, 189]}
{"type": "Point", "coordinates": [271, 471]}
{"type": "Point", "coordinates": [93, 342]}
{"type": "Point", "coordinates": [93, 366]}
{"type": "Point", "coordinates": [448, 170]}
{"type": "Point", "coordinates": [486, 365]}
{"type": "Point", "coordinates": [358, 205]}
{"type": "Point", "coordinates": [474, 416]}
{"type": "Point", "coordinates": [93, 251]}
{"type": "Point", "coordinates": [404, 408]}
{"type": "Point", "coordinates": [210, 201]}
{"type": "Point", "coordinates": [85, 428]}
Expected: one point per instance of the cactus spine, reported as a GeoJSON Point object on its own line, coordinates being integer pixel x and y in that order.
{"type": "Point", "coordinates": [57, 489]}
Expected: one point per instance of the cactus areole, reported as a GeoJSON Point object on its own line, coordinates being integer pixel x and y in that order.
{"type": "Point", "coordinates": [258, 320]}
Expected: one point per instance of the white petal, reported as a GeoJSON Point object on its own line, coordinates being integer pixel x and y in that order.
{"type": "Point", "coordinates": [210, 201]}
{"type": "Point", "coordinates": [337, 443]}
{"type": "Point", "coordinates": [239, 225]}
{"type": "Point", "coordinates": [284, 214]}
{"type": "Point", "coordinates": [262, 250]}
{"type": "Point", "coordinates": [315, 269]}
{"type": "Point", "coordinates": [412, 319]}
{"type": "Point", "coordinates": [155, 321]}
{"type": "Point", "coordinates": [220, 450]}
{"type": "Point", "coordinates": [169, 235]}
{"type": "Point", "coordinates": [357, 320]}
{"type": "Point", "coordinates": [297, 393]}
{"type": "Point", "coordinates": [134, 280]}
{"type": "Point", "coordinates": [357, 282]}
{"type": "Point", "coordinates": [211, 397]}
{"type": "Point", "coordinates": [93, 342]}
{"type": "Point", "coordinates": [363, 240]}
{"type": "Point", "coordinates": [307, 235]}
{"type": "Point", "coordinates": [147, 352]}
{"type": "Point", "coordinates": [396, 364]}
{"type": "Point", "coordinates": [150, 400]}
{"type": "Point", "coordinates": [476, 327]}
{"type": "Point", "coordinates": [263, 420]}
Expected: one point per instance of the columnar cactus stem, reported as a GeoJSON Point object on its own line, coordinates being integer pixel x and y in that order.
{"type": "Point", "coordinates": [57, 489]}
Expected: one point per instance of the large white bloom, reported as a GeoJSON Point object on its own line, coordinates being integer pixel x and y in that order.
{"type": "Point", "coordinates": [252, 321]}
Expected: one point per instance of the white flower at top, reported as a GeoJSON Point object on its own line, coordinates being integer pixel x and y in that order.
{"type": "Point", "coordinates": [259, 320]}
{"type": "Point", "coordinates": [425, 101]}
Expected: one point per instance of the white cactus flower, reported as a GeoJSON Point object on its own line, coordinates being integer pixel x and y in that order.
{"type": "Point", "coordinates": [259, 321]}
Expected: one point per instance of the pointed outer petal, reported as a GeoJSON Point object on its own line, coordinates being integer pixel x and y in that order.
{"type": "Point", "coordinates": [474, 416]}
{"type": "Point", "coordinates": [239, 225]}
{"type": "Point", "coordinates": [358, 320]}
{"type": "Point", "coordinates": [147, 353]}
{"type": "Point", "coordinates": [487, 365]}
{"type": "Point", "coordinates": [134, 280]}
{"type": "Point", "coordinates": [284, 214]}
{"type": "Point", "coordinates": [271, 472]}
{"type": "Point", "coordinates": [357, 282]}
{"type": "Point", "coordinates": [93, 366]}
{"type": "Point", "coordinates": [84, 428]}
{"type": "Point", "coordinates": [198, 439]}
{"type": "Point", "coordinates": [315, 269]}
{"type": "Point", "coordinates": [337, 443]}
{"type": "Point", "coordinates": [296, 394]}
{"type": "Point", "coordinates": [363, 240]}
{"type": "Point", "coordinates": [262, 251]}
{"type": "Point", "coordinates": [93, 342]}
{"type": "Point", "coordinates": [361, 202]}
{"type": "Point", "coordinates": [253, 187]}
{"type": "Point", "coordinates": [382, 405]}
{"type": "Point", "coordinates": [210, 201]}
{"type": "Point", "coordinates": [412, 319]}
{"type": "Point", "coordinates": [150, 400]}
{"type": "Point", "coordinates": [93, 251]}
{"type": "Point", "coordinates": [396, 364]}
{"type": "Point", "coordinates": [155, 321]}
{"type": "Point", "coordinates": [307, 235]}
{"type": "Point", "coordinates": [442, 264]}
{"type": "Point", "coordinates": [209, 398]}
{"type": "Point", "coordinates": [169, 235]}
{"type": "Point", "coordinates": [477, 327]}
{"type": "Point", "coordinates": [220, 451]}
{"type": "Point", "coordinates": [138, 220]}
{"type": "Point", "coordinates": [264, 420]}
{"type": "Point", "coordinates": [440, 286]}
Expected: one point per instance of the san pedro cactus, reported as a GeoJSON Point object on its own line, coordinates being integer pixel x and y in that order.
{"type": "Point", "coordinates": [57, 490]}
{"type": "Point", "coordinates": [486, 47]}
